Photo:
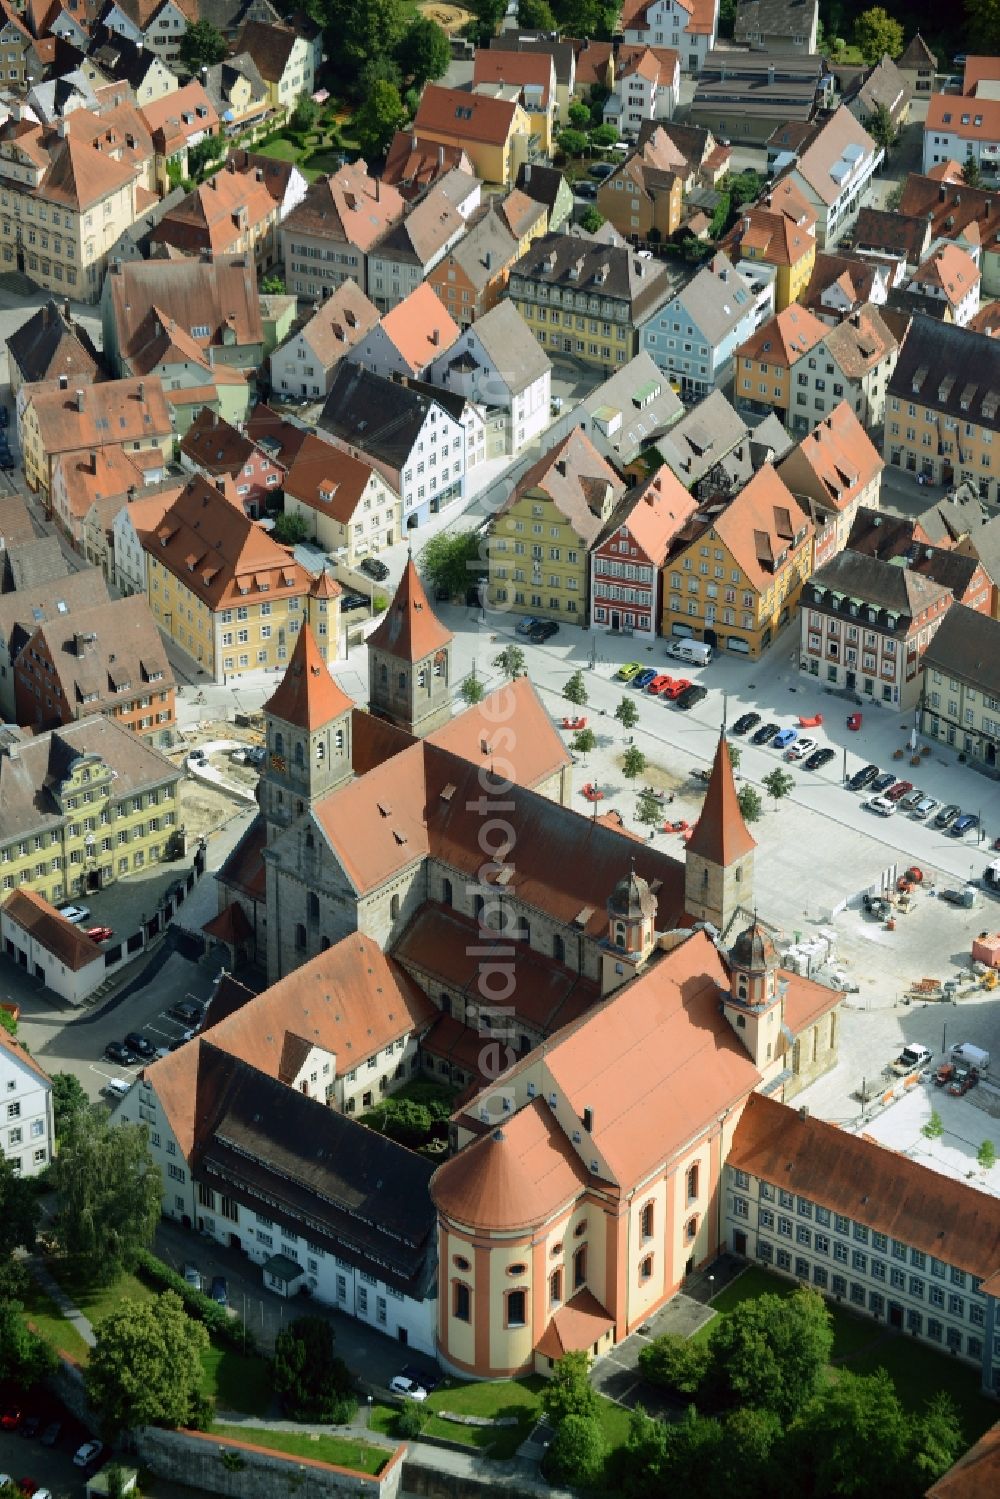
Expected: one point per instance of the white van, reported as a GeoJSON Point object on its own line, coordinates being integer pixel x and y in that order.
{"type": "Point", "coordinates": [696, 652]}
{"type": "Point", "coordinates": [116, 1087]}
{"type": "Point", "coordinates": [972, 1056]}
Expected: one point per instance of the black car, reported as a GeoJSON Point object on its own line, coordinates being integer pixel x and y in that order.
{"type": "Point", "coordinates": [765, 733]}
{"type": "Point", "coordinates": [350, 601]}
{"type": "Point", "coordinates": [6, 459]}
{"type": "Point", "coordinates": [140, 1046]}
{"type": "Point", "coordinates": [819, 758]}
{"type": "Point", "coordinates": [427, 1381]}
{"type": "Point", "coordinates": [116, 1051]}
{"type": "Point", "coordinates": [189, 1013]}
{"type": "Point", "coordinates": [373, 568]}
{"type": "Point", "coordinates": [745, 723]}
{"type": "Point", "coordinates": [51, 1434]}
{"type": "Point", "coordinates": [690, 696]}
{"type": "Point", "coordinates": [543, 631]}
{"type": "Point", "coordinates": [862, 779]}
{"type": "Point", "coordinates": [585, 189]}
{"type": "Point", "coordinates": [883, 782]}
{"type": "Point", "coordinates": [31, 1426]}
{"type": "Point", "coordinates": [4, 416]}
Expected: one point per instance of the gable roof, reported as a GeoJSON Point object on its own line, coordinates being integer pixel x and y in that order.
{"type": "Point", "coordinates": [916, 54]}
{"type": "Point", "coordinates": [885, 585]}
{"type": "Point", "coordinates": [464, 116]}
{"type": "Point", "coordinates": [950, 370]}
{"type": "Point", "coordinates": [307, 695]}
{"type": "Point", "coordinates": [188, 111]}
{"type": "Point", "coordinates": [581, 484]}
{"type": "Point", "coordinates": [340, 322]}
{"type": "Point", "coordinates": [413, 163]}
{"type": "Point", "coordinates": [827, 163]}
{"type": "Point", "coordinates": [217, 213]}
{"type": "Point", "coordinates": [410, 630]}
{"type": "Point", "coordinates": [835, 462]}
{"type": "Point", "coordinates": [67, 943]}
{"type": "Point", "coordinates": [951, 270]}
{"type": "Point", "coordinates": [50, 344]}
{"type": "Point", "coordinates": [348, 206]}
{"type": "Point", "coordinates": [654, 511]}
{"type": "Point", "coordinates": [376, 415]}
{"type": "Point", "coordinates": [219, 295]}
{"type": "Point", "coordinates": [113, 411]}
{"type": "Point", "coordinates": [760, 525]}
{"type": "Point", "coordinates": [784, 338]}
{"type": "Point", "coordinates": [720, 834]}
{"type": "Point", "coordinates": [420, 327]}
{"type": "Point", "coordinates": [269, 46]}
{"type": "Point", "coordinates": [327, 479]}
{"type": "Point", "coordinates": [98, 653]}
{"type": "Point", "coordinates": [496, 64]}
{"type": "Point", "coordinates": [966, 645]}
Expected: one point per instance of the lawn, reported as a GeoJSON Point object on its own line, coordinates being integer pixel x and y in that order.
{"type": "Point", "coordinates": [238, 1381]}
{"type": "Point", "coordinates": [96, 1301]}
{"type": "Point", "coordinates": [49, 1321]}
{"type": "Point", "coordinates": [285, 150]}
{"type": "Point", "coordinates": [346, 1452]}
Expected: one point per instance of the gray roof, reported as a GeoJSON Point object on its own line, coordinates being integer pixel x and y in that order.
{"type": "Point", "coordinates": [703, 438]}
{"type": "Point", "coordinates": [881, 84]}
{"type": "Point", "coordinates": [888, 587]}
{"type": "Point", "coordinates": [486, 246]}
{"type": "Point", "coordinates": [541, 183]}
{"type": "Point", "coordinates": [642, 396]}
{"type": "Point", "coordinates": [716, 299]}
{"type": "Point", "coordinates": [33, 562]}
{"type": "Point", "coordinates": [21, 612]}
{"type": "Point", "coordinates": [562, 53]}
{"type": "Point", "coordinates": [967, 646]}
{"type": "Point", "coordinates": [605, 271]}
{"type": "Point", "coordinates": [774, 18]}
{"type": "Point", "coordinates": [986, 542]}
{"type": "Point", "coordinates": [511, 345]}
{"type": "Point", "coordinates": [950, 370]}
{"type": "Point", "coordinates": [218, 81]}
{"type": "Point", "coordinates": [959, 514]}
{"type": "Point", "coordinates": [375, 415]}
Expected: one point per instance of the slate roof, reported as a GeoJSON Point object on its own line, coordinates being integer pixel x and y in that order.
{"type": "Point", "coordinates": [50, 344]}
{"type": "Point", "coordinates": [868, 580]}
{"type": "Point", "coordinates": [950, 370]}
{"type": "Point", "coordinates": [374, 414]}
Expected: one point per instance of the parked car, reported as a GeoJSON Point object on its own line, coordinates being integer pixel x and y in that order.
{"type": "Point", "coordinates": [585, 189]}
{"type": "Point", "coordinates": [238, 755]}
{"type": "Point", "coordinates": [783, 738]}
{"type": "Point", "coordinates": [690, 696]}
{"type": "Point", "coordinates": [220, 1291]}
{"type": "Point", "coordinates": [911, 801]}
{"type": "Point", "coordinates": [644, 678]}
{"type": "Point", "coordinates": [31, 1426]}
{"type": "Point", "coordinates": [543, 630]}
{"type": "Point", "coordinates": [963, 1079]}
{"type": "Point", "coordinates": [924, 808]}
{"type": "Point", "coordinates": [899, 790]}
{"type": "Point", "coordinates": [745, 723]}
{"type": "Point", "coordinates": [947, 815]}
{"type": "Point", "coordinates": [801, 748]}
{"type": "Point", "coordinates": [600, 170]}
{"type": "Point", "coordinates": [659, 684]}
{"type": "Point", "coordinates": [401, 1384]}
{"type": "Point", "coordinates": [198, 758]}
{"type": "Point", "coordinates": [75, 914]}
{"type": "Point", "coordinates": [628, 671]}
{"type": "Point", "coordinates": [526, 625]}
{"type": "Point", "coordinates": [51, 1434]}
{"type": "Point", "coordinates": [100, 933]}
{"type": "Point", "coordinates": [192, 1274]}
{"type": "Point", "coordinates": [863, 778]}
{"type": "Point", "coordinates": [910, 1058]}
{"type": "Point", "coordinates": [373, 568]}
{"type": "Point", "coordinates": [11, 1418]}
{"type": "Point", "coordinates": [765, 733]}
{"type": "Point", "coordinates": [7, 461]}
{"type": "Point", "coordinates": [880, 805]}
{"type": "Point", "coordinates": [429, 1382]}
{"type": "Point", "coordinates": [118, 1052]}
{"type": "Point", "coordinates": [351, 601]}
{"type": "Point", "coordinates": [187, 1012]}
{"type": "Point", "coordinates": [964, 824]}
{"type": "Point", "coordinates": [140, 1046]}
{"type": "Point", "coordinates": [881, 783]}
{"type": "Point", "coordinates": [819, 758]}
{"type": "Point", "coordinates": [677, 687]}
{"type": "Point", "coordinates": [88, 1453]}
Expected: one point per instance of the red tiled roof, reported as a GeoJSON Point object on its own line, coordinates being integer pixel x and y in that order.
{"type": "Point", "coordinates": [720, 834]}
{"type": "Point", "coordinates": [581, 1323]}
{"type": "Point", "coordinates": [411, 630]}
{"type": "Point", "coordinates": [307, 695]}
{"type": "Point", "coordinates": [58, 936]}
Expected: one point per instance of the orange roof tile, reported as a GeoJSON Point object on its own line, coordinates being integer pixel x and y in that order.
{"type": "Point", "coordinates": [720, 834]}
{"type": "Point", "coordinates": [411, 630]}
{"type": "Point", "coordinates": [581, 1323]}
{"type": "Point", "coordinates": [464, 117]}
{"type": "Point", "coordinates": [760, 524]}
{"type": "Point", "coordinates": [784, 338]}
{"type": "Point", "coordinates": [474, 734]}
{"type": "Point", "coordinates": [58, 936]}
{"type": "Point", "coordinates": [977, 1472]}
{"type": "Point", "coordinates": [307, 696]}
{"type": "Point", "coordinates": [186, 112]}
{"type": "Point", "coordinates": [112, 411]}
{"type": "Point", "coordinates": [835, 462]}
{"type": "Point", "coordinates": [517, 69]}
{"type": "Point", "coordinates": [328, 480]}
{"type": "Point", "coordinates": [420, 327]}
{"type": "Point", "coordinates": [952, 269]}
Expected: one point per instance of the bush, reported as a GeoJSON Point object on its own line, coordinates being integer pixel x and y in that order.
{"type": "Point", "coordinates": [576, 1453]}
{"type": "Point", "coordinates": [675, 1363]}
{"type": "Point", "coordinates": [309, 1380]}
{"type": "Point", "coordinates": [224, 1328]}
{"type": "Point", "coordinates": [411, 1420]}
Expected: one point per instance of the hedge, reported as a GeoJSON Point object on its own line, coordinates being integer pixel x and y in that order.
{"type": "Point", "coordinates": [216, 1318]}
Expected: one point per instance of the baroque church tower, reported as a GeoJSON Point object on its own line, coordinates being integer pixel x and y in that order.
{"type": "Point", "coordinates": [409, 662]}
{"type": "Point", "coordinates": [308, 723]}
{"type": "Point", "coordinates": [718, 871]}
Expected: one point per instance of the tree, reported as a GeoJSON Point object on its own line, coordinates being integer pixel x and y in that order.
{"type": "Point", "coordinates": [25, 1358]}
{"type": "Point", "coordinates": [109, 1192]}
{"type": "Point", "coordinates": [633, 762]}
{"type": "Point", "coordinates": [379, 70]}
{"type": "Point", "coordinates": [876, 32]}
{"type": "Point", "coordinates": [201, 46]}
{"type": "Point", "coordinates": [204, 152]}
{"type": "Point", "coordinates": [19, 1210]}
{"type": "Point", "coordinates": [536, 15]}
{"type": "Point", "coordinates": [986, 1156]}
{"type": "Point", "coordinates": [604, 137]}
{"type": "Point", "coordinates": [569, 1392]}
{"type": "Point", "coordinates": [854, 1438]}
{"type": "Point", "coordinates": [362, 29]}
{"type": "Point", "coordinates": [8, 1022]}
{"type": "Point", "coordinates": [305, 114]}
{"type": "Point", "coordinates": [778, 783]}
{"type": "Point", "coordinates": [881, 128]}
{"type": "Point", "coordinates": [750, 804]}
{"type": "Point", "coordinates": [643, 1459]}
{"type": "Point", "coordinates": [935, 1440]}
{"type": "Point", "coordinates": [894, 197]}
{"type": "Point", "coordinates": [145, 1367]}
{"type": "Point", "coordinates": [452, 561]}
{"type": "Point", "coordinates": [310, 1381]}
{"type": "Point", "coordinates": [648, 811]}
{"type": "Point", "coordinates": [593, 18]}
{"type": "Point", "coordinates": [576, 1452]}
{"type": "Point", "coordinates": [378, 119]}
{"type": "Point", "coordinates": [772, 1352]}
{"type": "Point", "coordinates": [272, 286]}
{"type": "Point", "coordinates": [591, 219]}
{"type": "Point", "coordinates": [488, 14]}
{"type": "Point", "coordinates": [735, 754]}
{"type": "Point", "coordinates": [572, 142]}
{"type": "Point", "coordinates": [627, 713]}
{"type": "Point", "coordinates": [575, 690]}
{"type": "Point", "coordinates": [411, 1420]}
{"type": "Point", "coordinates": [934, 1128]}
{"type": "Point", "coordinates": [472, 689]}
{"type": "Point", "coordinates": [291, 527]}
{"type": "Point", "coordinates": [425, 51]}
{"type": "Point", "coordinates": [584, 742]}
{"type": "Point", "coordinates": [971, 174]}
{"type": "Point", "coordinates": [579, 116]}
{"type": "Point", "coordinates": [676, 1363]}
{"type": "Point", "coordinates": [744, 187]}
{"type": "Point", "coordinates": [982, 26]}
{"type": "Point", "coordinates": [510, 661]}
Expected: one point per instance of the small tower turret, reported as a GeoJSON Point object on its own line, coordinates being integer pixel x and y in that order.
{"type": "Point", "coordinates": [753, 1006]}
{"type": "Point", "coordinates": [718, 875]}
{"type": "Point", "coordinates": [308, 723]}
{"type": "Point", "coordinates": [409, 661]}
{"type": "Point", "coordinates": [631, 931]}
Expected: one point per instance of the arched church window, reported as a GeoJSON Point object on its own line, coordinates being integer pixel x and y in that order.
{"type": "Point", "coordinates": [394, 907]}
{"type": "Point", "coordinates": [279, 744]}
{"type": "Point", "coordinates": [300, 754]}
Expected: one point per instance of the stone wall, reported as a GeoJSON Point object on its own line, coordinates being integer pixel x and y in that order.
{"type": "Point", "coordinates": [509, 1480]}
{"type": "Point", "coordinates": [197, 1459]}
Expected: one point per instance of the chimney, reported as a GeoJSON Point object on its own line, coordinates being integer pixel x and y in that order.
{"type": "Point", "coordinates": [67, 312]}
{"type": "Point", "coordinates": [943, 193]}
{"type": "Point", "coordinates": [204, 74]}
{"type": "Point", "coordinates": [118, 265]}
{"type": "Point", "coordinates": [561, 468]}
{"type": "Point", "coordinates": [527, 172]}
{"type": "Point", "coordinates": [131, 493]}
{"type": "Point", "coordinates": [440, 158]}
{"type": "Point", "coordinates": [141, 390]}
{"type": "Point", "coordinates": [435, 336]}
{"type": "Point", "coordinates": [230, 164]}
{"type": "Point", "coordinates": [220, 485]}
{"type": "Point", "coordinates": [79, 400]}
{"type": "Point", "coordinates": [93, 462]}
{"type": "Point", "coordinates": [259, 175]}
{"type": "Point", "coordinates": [61, 128]}
{"type": "Point", "coordinates": [378, 184]}
{"type": "Point", "coordinates": [63, 382]}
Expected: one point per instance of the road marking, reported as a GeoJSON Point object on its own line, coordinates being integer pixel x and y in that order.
{"type": "Point", "coordinates": [157, 1032]}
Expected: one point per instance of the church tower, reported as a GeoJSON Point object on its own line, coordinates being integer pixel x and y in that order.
{"type": "Point", "coordinates": [308, 723]}
{"type": "Point", "coordinates": [718, 874]}
{"type": "Point", "coordinates": [409, 662]}
{"type": "Point", "coordinates": [631, 932]}
{"type": "Point", "coordinates": [753, 1006]}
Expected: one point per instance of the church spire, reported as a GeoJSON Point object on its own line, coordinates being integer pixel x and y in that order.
{"type": "Point", "coordinates": [307, 696]}
{"type": "Point", "coordinates": [720, 834]}
{"type": "Point", "coordinates": [411, 630]}
{"type": "Point", "coordinates": [409, 661]}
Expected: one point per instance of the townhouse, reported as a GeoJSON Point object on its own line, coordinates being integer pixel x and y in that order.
{"type": "Point", "coordinates": [584, 298]}
{"type": "Point", "coordinates": [473, 275]}
{"type": "Point", "coordinates": [735, 571]}
{"type": "Point", "coordinates": [941, 406]}
{"type": "Point", "coordinates": [958, 126]}
{"type": "Point", "coordinates": [412, 165]}
{"type": "Point", "coordinates": [852, 362]}
{"type": "Point", "coordinates": [176, 122]}
{"type": "Point", "coordinates": [953, 564]}
{"type": "Point", "coordinates": [326, 239]}
{"type": "Point", "coordinates": [35, 603]}
{"type": "Point", "coordinates": [147, 75]}
{"type": "Point", "coordinates": [27, 1133]}
{"type": "Point", "coordinates": [526, 218]}
{"type": "Point", "coordinates": [304, 365]}
{"type": "Point", "coordinates": [50, 344]}
{"type": "Point", "coordinates": [746, 96]}
{"type": "Point", "coordinates": [241, 97]}
{"type": "Point", "coordinates": [230, 214]}
{"type": "Point", "coordinates": [949, 277]}
{"type": "Point", "coordinates": [846, 283]}
{"type": "Point", "coordinates": [882, 86]}
{"type": "Point", "coordinates": [696, 445]}
{"type": "Point", "coordinates": [15, 40]}
{"type": "Point", "coordinates": [765, 363]}
{"type": "Point", "coordinates": [409, 251]}
{"type": "Point", "coordinates": [897, 240]}
{"type": "Point", "coordinates": [351, 511]}
{"type": "Point", "coordinates": [53, 420]}
{"type": "Point", "coordinates": [960, 697]}
{"type": "Point", "coordinates": [630, 411]}
{"type": "Point", "coordinates": [79, 478]}
{"type": "Point", "coordinates": [282, 179]}
{"type": "Point", "coordinates": [541, 536]}
{"type": "Point", "coordinates": [694, 335]}
{"type": "Point", "coordinates": [690, 150]}
{"type": "Point", "coordinates": [833, 173]}
{"type": "Point", "coordinates": [224, 591]}
{"type": "Point", "coordinates": [156, 25]}
{"type": "Point", "coordinates": [107, 660]}
{"type": "Point", "coordinates": [952, 210]}
{"type": "Point", "coordinates": [547, 186]}
{"type": "Point", "coordinates": [407, 339]}
{"type": "Point", "coordinates": [837, 470]}
{"type": "Point", "coordinates": [82, 806]}
{"type": "Point", "coordinates": [646, 86]}
{"type": "Point", "coordinates": [495, 134]}
{"type": "Point", "coordinates": [498, 364]}
{"type": "Point", "coordinates": [414, 438]}
{"type": "Point", "coordinates": [98, 528]}
{"type": "Point", "coordinates": [533, 74]}
{"type": "Point", "coordinates": [642, 198]}
{"type": "Point", "coordinates": [285, 57]}
{"type": "Point", "coordinates": [918, 65]}
{"type": "Point", "coordinates": [779, 231]}
{"type": "Point", "coordinates": [214, 447]}
{"type": "Point", "coordinates": [865, 625]}
{"type": "Point", "coordinates": [784, 25]}
{"type": "Point", "coordinates": [133, 523]}
{"type": "Point", "coordinates": [564, 53]}
{"type": "Point", "coordinates": [626, 581]}
{"type": "Point", "coordinates": [690, 27]}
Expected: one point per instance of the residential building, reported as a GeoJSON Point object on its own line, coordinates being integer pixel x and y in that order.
{"type": "Point", "coordinates": [844, 284]}
{"type": "Point", "coordinates": [894, 537]}
{"type": "Point", "coordinates": [918, 65]}
{"type": "Point", "coordinates": [694, 335]}
{"type": "Point", "coordinates": [691, 151]}
{"type": "Point", "coordinates": [351, 511]}
{"type": "Point", "coordinates": [865, 625]}
{"type": "Point", "coordinates": [25, 607]}
{"type": "Point", "coordinates": [941, 407]}
{"type": "Point", "coordinates": [407, 339]}
{"type": "Point", "coordinates": [133, 524]}
{"type": "Point", "coordinates": [689, 26]}
{"type": "Point", "coordinates": [838, 470]}
{"type": "Point", "coordinates": [147, 75]}
{"type": "Point", "coordinates": [409, 251]}
{"type": "Point", "coordinates": [215, 448]}
{"type": "Point", "coordinates": [563, 52]}
{"type": "Point", "coordinates": [413, 165]}
{"type": "Point", "coordinates": [414, 438]}
{"type": "Point", "coordinates": [882, 86]}
{"type": "Point", "coordinates": [157, 25]}
{"type": "Point", "coordinates": [526, 218]}
{"type": "Point", "coordinates": [98, 528]}
{"type": "Point", "coordinates": [284, 58]}
{"type": "Point", "coordinates": [176, 122]}
{"type": "Point", "coordinates": [49, 842]}
{"type": "Point", "coordinates": [642, 198]}
{"type": "Point", "coordinates": [55, 98]}
{"type": "Point", "coordinates": [498, 364]}
{"type": "Point", "coordinates": [833, 173]}
{"type": "Point", "coordinates": [53, 421]}
{"type": "Point", "coordinates": [50, 344]}
{"type": "Point", "coordinates": [880, 1232]}
{"type": "Point", "coordinates": [282, 179]}
{"type": "Point", "coordinates": [305, 364]}
{"type": "Point", "coordinates": [565, 281]}
{"type": "Point", "coordinates": [951, 210]}
{"type": "Point", "coordinates": [547, 186]}
{"type": "Point", "coordinates": [746, 96]}
{"type": "Point", "coordinates": [626, 583]}
{"type": "Point", "coordinates": [473, 275]}
{"type": "Point", "coordinates": [82, 477]}
{"type": "Point", "coordinates": [646, 86]}
{"type": "Point", "coordinates": [960, 700]}
{"type": "Point", "coordinates": [15, 39]}
{"type": "Point", "coordinates": [778, 25]}
{"type": "Point", "coordinates": [281, 437]}
{"type": "Point", "coordinates": [240, 604]}
{"type": "Point", "coordinates": [534, 74]}
{"type": "Point", "coordinates": [629, 412]}
{"type": "Point", "coordinates": [230, 214]}
{"type": "Point", "coordinates": [495, 134]}
{"type": "Point", "coordinates": [897, 240]}
{"type": "Point", "coordinates": [958, 126]}
{"type": "Point", "coordinates": [852, 362]}
{"type": "Point", "coordinates": [213, 302]}
{"type": "Point", "coordinates": [701, 439]}
{"type": "Point", "coordinates": [67, 962]}
{"type": "Point", "coordinates": [779, 230]}
{"type": "Point", "coordinates": [105, 660]}
{"type": "Point", "coordinates": [29, 1134]}
{"type": "Point", "coordinates": [765, 362]}
{"type": "Point", "coordinates": [542, 534]}
{"type": "Point", "coordinates": [327, 238]}
{"type": "Point", "coordinates": [949, 278]}
{"type": "Point", "coordinates": [241, 96]}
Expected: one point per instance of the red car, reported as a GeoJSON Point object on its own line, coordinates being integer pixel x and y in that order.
{"type": "Point", "coordinates": [100, 934]}
{"type": "Point", "coordinates": [897, 792]}
{"type": "Point", "coordinates": [28, 1485]}
{"type": "Point", "coordinates": [11, 1418]}
{"type": "Point", "coordinates": [679, 685]}
{"type": "Point", "coordinates": [659, 684]}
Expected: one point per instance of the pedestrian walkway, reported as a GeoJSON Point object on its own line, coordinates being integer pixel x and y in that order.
{"type": "Point", "coordinates": [69, 1309]}
{"type": "Point", "coordinates": [514, 1477]}
{"type": "Point", "coordinates": [357, 1429]}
